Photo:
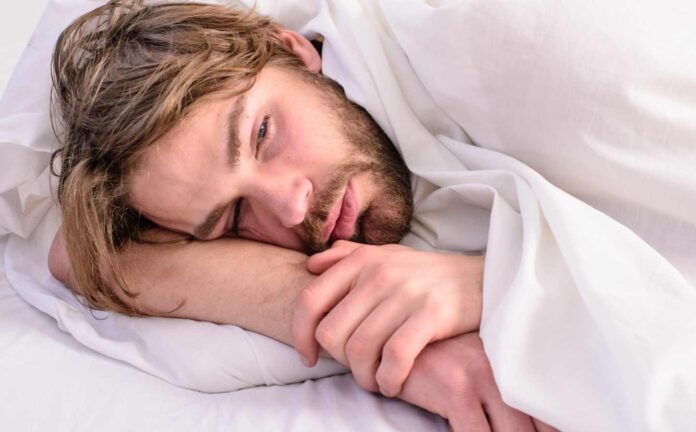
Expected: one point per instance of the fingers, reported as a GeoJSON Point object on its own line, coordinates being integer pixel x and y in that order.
{"type": "Point", "coordinates": [440, 383]}
{"type": "Point", "coordinates": [400, 352]}
{"type": "Point", "coordinates": [503, 418]}
{"type": "Point", "coordinates": [319, 263]}
{"type": "Point", "coordinates": [303, 323]}
{"type": "Point", "coordinates": [337, 327]}
{"type": "Point", "coordinates": [470, 418]}
{"type": "Point", "coordinates": [314, 302]}
{"type": "Point", "coordinates": [364, 348]}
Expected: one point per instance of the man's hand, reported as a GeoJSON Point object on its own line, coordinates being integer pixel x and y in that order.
{"type": "Point", "coordinates": [453, 378]}
{"type": "Point", "coordinates": [374, 308]}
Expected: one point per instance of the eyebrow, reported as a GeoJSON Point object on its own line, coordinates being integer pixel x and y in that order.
{"type": "Point", "coordinates": [232, 144]}
{"type": "Point", "coordinates": [203, 230]}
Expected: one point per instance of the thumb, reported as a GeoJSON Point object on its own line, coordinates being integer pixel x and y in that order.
{"type": "Point", "coordinates": [319, 263]}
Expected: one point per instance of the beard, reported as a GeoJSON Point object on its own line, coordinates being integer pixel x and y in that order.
{"type": "Point", "coordinates": [387, 218]}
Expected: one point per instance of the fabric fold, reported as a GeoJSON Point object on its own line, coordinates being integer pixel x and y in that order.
{"type": "Point", "coordinates": [550, 136]}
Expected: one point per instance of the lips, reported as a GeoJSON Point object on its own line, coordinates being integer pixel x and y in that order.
{"type": "Point", "coordinates": [345, 223]}
{"type": "Point", "coordinates": [343, 216]}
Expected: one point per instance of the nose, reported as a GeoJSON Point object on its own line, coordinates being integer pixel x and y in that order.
{"type": "Point", "coordinates": [287, 197]}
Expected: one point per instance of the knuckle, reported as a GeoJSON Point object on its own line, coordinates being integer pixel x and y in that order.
{"type": "Point", "coordinates": [384, 277]}
{"type": "Point", "coordinates": [325, 336]}
{"type": "Point", "coordinates": [356, 349]}
{"type": "Point", "coordinates": [366, 380]}
{"type": "Point", "coordinates": [459, 383]}
{"type": "Point", "coordinates": [306, 301]}
{"type": "Point", "coordinates": [363, 252]}
{"type": "Point", "coordinates": [481, 368]}
{"type": "Point", "coordinates": [411, 292]}
{"type": "Point", "coordinates": [396, 364]}
{"type": "Point", "coordinates": [396, 352]}
{"type": "Point", "coordinates": [471, 378]}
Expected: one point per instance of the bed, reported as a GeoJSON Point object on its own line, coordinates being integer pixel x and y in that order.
{"type": "Point", "coordinates": [51, 381]}
{"type": "Point", "coordinates": [559, 138]}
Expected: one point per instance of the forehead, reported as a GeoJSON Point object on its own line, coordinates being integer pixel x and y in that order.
{"type": "Point", "coordinates": [197, 140]}
{"type": "Point", "coordinates": [193, 139]}
{"type": "Point", "coordinates": [176, 168]}
{"type": "Point", "coordinates": [201, 131]}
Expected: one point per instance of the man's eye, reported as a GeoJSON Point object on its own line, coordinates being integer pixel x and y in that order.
{"type": "Point", "coordinates": [263, 129]}
{"type": "Point", "coordinates": [235, 218]}
{"type": "Point", "coordinates": [264, 132]}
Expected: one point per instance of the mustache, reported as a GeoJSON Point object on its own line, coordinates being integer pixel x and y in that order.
{"type": "Point", "coordinates": [323, 202]}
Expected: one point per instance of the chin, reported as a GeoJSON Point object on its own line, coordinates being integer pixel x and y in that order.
{"type": "Point", "coordinates": [382, 227]}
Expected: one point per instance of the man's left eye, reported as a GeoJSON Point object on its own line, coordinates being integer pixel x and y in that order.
{"type": "Point", "coordinates": [263, 130]}
{"type": "Point", "coordinates": [264, 134]}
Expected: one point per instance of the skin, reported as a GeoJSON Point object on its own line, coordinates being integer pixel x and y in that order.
{"type": "Point", "coordinates": [279, 168]}
{"type": "Point", "coordinates": [221, 282]}
{"type": "Point", "coordinates": [372, 313]}
{"type": "Point", "coordinates": [331, 298]}
{"type": "Point", "coordinates": [276, 176]}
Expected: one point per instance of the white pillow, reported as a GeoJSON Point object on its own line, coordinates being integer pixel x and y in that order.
{"type": "Point", "coordinates": [196, 355]}
{"type": "Point", "coordinates": [580, 309]}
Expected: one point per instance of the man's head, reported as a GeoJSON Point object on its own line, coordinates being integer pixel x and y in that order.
{"type": "Point", "coordinates": [210, 121]}
{"type": "Point", "coordinates": [289, 162]}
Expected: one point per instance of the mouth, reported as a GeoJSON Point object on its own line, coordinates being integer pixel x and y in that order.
{"type": "Point", "coordinates": [343, 216]}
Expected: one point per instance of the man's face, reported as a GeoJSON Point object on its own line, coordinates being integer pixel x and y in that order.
{"type": "Point", "coordinates": [289, 162]}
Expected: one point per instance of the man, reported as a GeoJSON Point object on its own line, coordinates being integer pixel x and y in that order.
{"type": "Point", "coordinates": [188, 116]}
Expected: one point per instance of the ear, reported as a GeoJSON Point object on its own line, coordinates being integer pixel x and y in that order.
{"type": "Point", "coordinates": [302, 47]}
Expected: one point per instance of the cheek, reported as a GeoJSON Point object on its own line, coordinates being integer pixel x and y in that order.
{"type": "Point", "coordinates": [257, 224]}
{"type": "Point", "coordinates": [312, 144]}
{"type": "Point", "coordinates": [260, 225]}
{"type": "Point", "coordinates": [250, 224]}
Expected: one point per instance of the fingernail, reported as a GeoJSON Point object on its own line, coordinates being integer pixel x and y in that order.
{"type": "Point", "coordinates": [305, 361]}
{"type": "Point", "coordinates": [386, 393]}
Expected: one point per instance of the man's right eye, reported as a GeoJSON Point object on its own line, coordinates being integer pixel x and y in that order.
{"type": "Point", "coordinates": [233, 226]}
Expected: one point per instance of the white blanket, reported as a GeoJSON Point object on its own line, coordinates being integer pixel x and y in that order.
{"type": "Point", "coordinates": [589, 228]}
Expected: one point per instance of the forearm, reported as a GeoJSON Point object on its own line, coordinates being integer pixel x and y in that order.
{"type": "Point", "coordinates": [227, 281]}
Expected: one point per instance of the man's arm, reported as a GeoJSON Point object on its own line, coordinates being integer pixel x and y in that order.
{"type": "Point", "coordinates": [226, 281]}
{"type": "Point", "coordinates": [255, 285]}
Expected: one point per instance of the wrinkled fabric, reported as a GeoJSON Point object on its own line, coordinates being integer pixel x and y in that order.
{"type": "Point", "coordinates": [565, 133]}
{"type": "Point", "coordinates": [556, 137]}
{"type": "Point", "coordinates": [196, 355]}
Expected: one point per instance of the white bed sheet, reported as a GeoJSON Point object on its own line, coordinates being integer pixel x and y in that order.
{"type": "Point", "coordinates": [51, 382]}
{"type": "Point", "coordinates": [588, 309]}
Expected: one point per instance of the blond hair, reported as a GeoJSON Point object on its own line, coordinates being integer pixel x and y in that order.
{"type": "Point", "coordinates": [123, 75]}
